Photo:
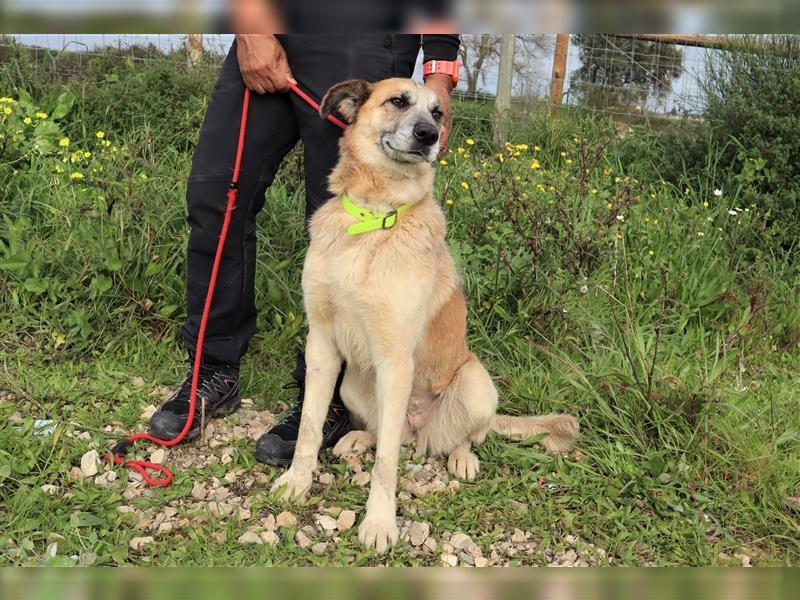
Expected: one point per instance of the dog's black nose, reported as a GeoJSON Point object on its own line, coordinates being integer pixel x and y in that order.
{"type": "Point", "coordinates": [426, 133]}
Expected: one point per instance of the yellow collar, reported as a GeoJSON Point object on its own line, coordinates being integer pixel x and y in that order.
{"type": "Point", "coordinates": [370, 220]}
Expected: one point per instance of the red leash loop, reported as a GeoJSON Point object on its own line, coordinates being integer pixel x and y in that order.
{"type": "Point", "coordinates": [142, 466]}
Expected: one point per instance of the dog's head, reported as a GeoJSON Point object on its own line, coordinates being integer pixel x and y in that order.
{"type": "Point", "coordinates": [397, 119]}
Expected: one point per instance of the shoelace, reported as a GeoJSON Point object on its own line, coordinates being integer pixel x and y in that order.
{"type": "Point", "coordinates": [210, 381]}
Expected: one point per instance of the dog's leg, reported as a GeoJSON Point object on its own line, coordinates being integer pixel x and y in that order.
{"type": "Point", "coordinates": [394, 378]}
{"type": "Point", "coordinates": [322, 367]}
{"type": "Point", "coordinates": [463, 415]}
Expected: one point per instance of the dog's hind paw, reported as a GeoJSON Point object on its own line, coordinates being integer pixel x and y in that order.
{"type": "Point", "coordinates": [354, 443]}
{"type": "Point", "coordinates": [463, 464]}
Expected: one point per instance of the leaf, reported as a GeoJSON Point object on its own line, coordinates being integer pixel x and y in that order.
{"type": "Point", "coordinates": [25, 101]}
{"type": "Point", "coordinates": [100, 284]}
{"type": "Point", "coordinates": [35, 285]}
{"type": "Point", "coordinates": [153, 268]}
{"type": "Point", "coordinates": [82, 519]}
{"type": "Point", "coordinates": [13, 263]}
{"type": "Point", "coordinates": [113, 263]}
{"type": "Point", "coordinates": [63, 104]}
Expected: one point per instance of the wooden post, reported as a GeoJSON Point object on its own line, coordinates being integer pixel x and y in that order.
{"type": "Point", "coordinates": [504, 80]}
{"type": "Point", "coordinates": [559, 72]}
{"type": "Point", "coordinates": [194, 49]}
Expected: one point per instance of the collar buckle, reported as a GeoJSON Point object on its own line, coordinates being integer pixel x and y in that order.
{"type": "Point", "coordinates": [386, 223]}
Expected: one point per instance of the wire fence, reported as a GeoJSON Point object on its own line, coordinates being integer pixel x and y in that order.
{"type": "Point", "coordinates": [626, 77]}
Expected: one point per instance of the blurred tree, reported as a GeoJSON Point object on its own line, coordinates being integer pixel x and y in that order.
{"type": "Point", "coordinates": [480, 53]}
{"type": "Point", "coordinates": [620, 73]}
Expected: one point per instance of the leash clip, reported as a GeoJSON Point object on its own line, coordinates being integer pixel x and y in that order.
{"type": "Point", "coordinates": [121, 448]}
{"type": "Point", "coordinates": [391, 214]}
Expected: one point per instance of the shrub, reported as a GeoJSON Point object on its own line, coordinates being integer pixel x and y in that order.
{"type": "Point", "coordinates": [753, 95]}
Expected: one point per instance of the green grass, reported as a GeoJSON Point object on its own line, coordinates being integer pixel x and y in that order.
{"type": "Point", "coordinates": [678, 356]}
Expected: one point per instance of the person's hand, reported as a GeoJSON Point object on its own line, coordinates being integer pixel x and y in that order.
{"type": "Point", "coordinates": [263, 63]}
{"type": "Point", "coordinates": [442, 84]}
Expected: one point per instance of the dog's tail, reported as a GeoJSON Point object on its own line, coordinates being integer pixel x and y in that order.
{"type": "Point", "coordinates": [562, 430]}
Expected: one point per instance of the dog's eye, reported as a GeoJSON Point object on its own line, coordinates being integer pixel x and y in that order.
{"type": "Point", "coordinates": [436, 114]}
{"type": "Point", "coordinates": [399, 102]}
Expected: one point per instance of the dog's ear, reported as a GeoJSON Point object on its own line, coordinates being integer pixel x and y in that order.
{"type": "Point", "coordinates": [345, 98]}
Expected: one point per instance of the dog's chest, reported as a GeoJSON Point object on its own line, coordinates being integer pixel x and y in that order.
{"type": "Point", "coordinates": [363, 289]}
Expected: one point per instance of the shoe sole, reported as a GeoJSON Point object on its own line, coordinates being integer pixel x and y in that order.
{"type": "Point", "coordinates": [223, 410]}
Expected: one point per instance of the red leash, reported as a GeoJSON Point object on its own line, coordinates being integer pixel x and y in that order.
{"type": "Point", "coordinates": [142, 466]}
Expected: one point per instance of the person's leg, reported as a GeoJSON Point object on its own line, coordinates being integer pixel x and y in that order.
{"type": "Point", "coordinates": [271, 132]}
{"type": "Point", "coordinates": [318, 62]}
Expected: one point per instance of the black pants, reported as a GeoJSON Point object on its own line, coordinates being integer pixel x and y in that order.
{"type": "Point", "coordinates": [276, 122]}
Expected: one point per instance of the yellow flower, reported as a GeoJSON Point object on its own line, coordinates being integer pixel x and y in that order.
{"type": "Point", "coordinates": [655, 221]}
{"type": "Point", "coordinates": [7, 100]}
{"type": "Point", "coordinates": [460, 150]}
{"type": "Point", "coordinates": [540, 187]}
{"type": "Point", "coordinates": [100, 134]}
{"type": "Point", "coordinates": [705, 203]}
{"type": "Point", "coordinates": [476, 174]}
{"type": "Point", "coordinates": [76, 175]}
{"type": "Point", "coordinates": [87, 154]}
{"type": "Point", "coordinates": [40, 115]}
{"type": "Point", "coordinates": [143, 176]}
{"type": "Point", "coordinates": [521, 146]}
{"type": "Point", "coordinates": [59, 169]}
{"type": "Point", "coordinates": [536, 164]}
{"type": "Point", "coordinates": [27, 120]}
{"type": "Point", "coordinates": [651, 253]}
{"type": "Point", "coordinates": [609, 205]}
{"type": "Point", "coordinates": [465, 185]}
{"type": "Point", "coordinates": [619, 236]}
{"type": "Point", "coordinates": [563, 153]}
{"type": "Point", "coordinates": [652, 195]}
{"type": "Point", "coordinates": [470, 142]}
{"type": "Point", "coordinates": [114, 149]}
{"type": "Point", "coordinates": [7, 110]}
{"type": "Point", "coordinates": [449, 201]}
{"type": "Point", "coordinates": [594, 190]}
{"type": "Point", "coordinates": [569, 161]}
{"type": "Point", "coordinates": [63, 142]}
{"type": "Point", "coordinates": [537, 148]}
{"type": "Point", "coordinates": [501, 158]}
{"type": "Point", "coordinates": [443, 162]}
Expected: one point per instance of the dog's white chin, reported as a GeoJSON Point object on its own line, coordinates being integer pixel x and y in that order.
{"type": "Point", "coordinates": [409, 156]}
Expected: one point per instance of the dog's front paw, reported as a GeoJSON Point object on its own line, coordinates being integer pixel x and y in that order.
{"type": "Point", "coordinates": [291, 485]}
{"type": "Point", "coordinates": [378, 532]}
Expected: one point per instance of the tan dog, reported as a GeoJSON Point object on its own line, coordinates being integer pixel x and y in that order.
{"type": "Point", "coordinates": [389, 303]}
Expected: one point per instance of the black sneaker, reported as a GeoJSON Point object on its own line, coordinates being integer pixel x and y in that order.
{"type": "Point", "coordinates": [217, 388]}
{"type": "Point", "coordinates": [276, 446]}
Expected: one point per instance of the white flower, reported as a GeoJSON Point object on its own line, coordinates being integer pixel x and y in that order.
{"type": "Point", "coordinates": [700, 234]}
{"type": "Point", "coordinates": [737, 209]}
{"type": "Point", "coordinates": [718, 193]}
{"type": "Point", "coordinates": [620, 217]}
{"type": "Point", "coordinates": [732, 212]}
{"type": "Point", "coordinates": [584, 289]}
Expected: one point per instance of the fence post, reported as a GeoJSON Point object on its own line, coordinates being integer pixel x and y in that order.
{"type": "Point", "coordinates": [194, 49]}
{"type": "Point", "coordinates": [559, 72]}
{"type": "Point", "coordinates": [504, 80]}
